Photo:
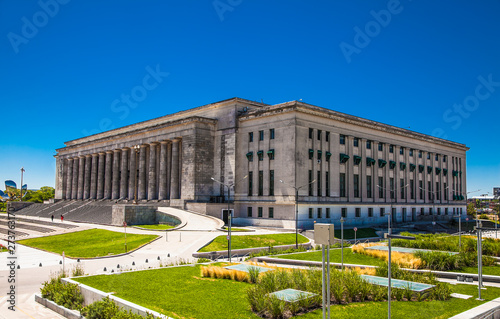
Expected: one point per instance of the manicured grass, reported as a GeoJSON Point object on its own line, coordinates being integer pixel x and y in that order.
{"type": "Point", "coordinates": [335, 256]}
{"type": "Point", "coordinates": [178, 292]}
{"type": "Point", "coordinates": [487, 270]}
{"type": "Point", "coordinates": [361, 233]}
{"type": "Point", "coordinates": [156, 227]}
{"type": "Point", "coordinates": [252, 241]}
{"type": "Point", "coordinates": [414, 310]}
{"type": "Point", "coordinates": [236, 229]}
{"type": "Point", "coordinates": [89, 243]}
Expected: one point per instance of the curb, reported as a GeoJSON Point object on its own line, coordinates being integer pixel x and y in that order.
{"type": "Point", "coordinates": [68, 313]}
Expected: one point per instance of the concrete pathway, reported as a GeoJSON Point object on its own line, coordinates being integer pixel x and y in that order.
{"type": "Point", "coordinates": [172, 247]}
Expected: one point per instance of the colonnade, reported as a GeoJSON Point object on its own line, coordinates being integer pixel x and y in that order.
{"type": "Point", "coordinates": [150, 171]}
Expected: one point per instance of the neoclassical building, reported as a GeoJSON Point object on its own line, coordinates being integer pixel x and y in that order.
{"type": "Point", "coordinates": [342, 165]}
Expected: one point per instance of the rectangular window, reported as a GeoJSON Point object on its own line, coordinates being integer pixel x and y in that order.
{"type": "Point", "coordinates": [411, 152]}
{"type": "Point", "coordinates": [271, 182]}
{"type": "Point", "coordinates": [391, 187]}
{"type": "Point", "coordinates": [311, 131]}
{"type": "Point", "coordinates": [403, 188]}
{"type": "Point", "coordinates": [310, 186]}
{"type": "Point", "coordinates": [422, 211]}
{"type": "Point", "coordinates": [446, 211]}
{"type": "Point", "coordinates": [259, 212]}
{"type": "Point", "coordinates": [368, 186]}
{"type": "Point", "coordinates": [271, 134]}
{"type": "Point", "coordinates": [327, 136]}
{"type": "Point", "coordinates": [412, 189]}
{"type": "Point", "coordinates": [445, 158]}
{"type": "Point", "coordinates": [438, 191]}
{"type": "Point", "coordinates": [380, 147]}
{"type": "Point", "coordinates": [356, 185]}
{"type": "Point", "coordinates": [310, 213]}
{"type": "Point", "coordinates": [342, 139]}
{"type": "Point", "coordinates": [421, 188]}
{"type": "Point", "coordinates": [344, 212]}
{"type": "Point", "coordinates": [445, 187]}
{"type": "Point", "coordinates": [319, 135]}
{"type": "Point", "coordinates": [271, 212]}
{"type": "Point", "coordinates": [250, 137]}
{"type": "Point", "coordinates": [318, 184]}
{"type": "Point", "coordinates": [327, 183]}
{"type": "Point", "coordinates": [419, 154]}
{"type": "Point", "coordinates": [327, 212]}
{"type": "Point", "coordinates": [430, 211]}
{"type": "Point", "coordinates": [391, 148]}
{"type": "Point", "coordinates": [428, 155]}
{"type": "Point", "coordinates": [261, 183]}
{"type": "Point", "coordinates": [382, 211]}
{"type": "Point", "coordinates": [355, 142]}
{"type": "Point", "coordinates": [368, 145]}
{"type": "Point", "coordinates": [319, 212]}
{"type": "Point", "coordinates": [342, 184]}
{"type": "Point", "coordinates": [401, 151]}
{"type": "Point", "coordinates": [261, 135]}
{"type": "Point", "coordinates": [358, 212]}
{"type": "Point", "coordinates": [370, 212]}
{"type": "Point", "coordinates": [380, 187]}
{"type": "Point", "coordinates": [249, 212]}
{"type": "Point", "coordinates": [437, 157]}
{"type": "Point", "coordinates": [439, 210]}
{"type": "Point", "coordinates": [429, 186]}
{"type": "Point", "coordinates": [250, 183]}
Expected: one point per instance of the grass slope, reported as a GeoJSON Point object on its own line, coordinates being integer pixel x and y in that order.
{"type": "Point", "coordinates": [252, 241]}
{"type": "Point", "coordinates": [88, 243]}
{"type": "Point", "coordinates": [335, 256]}
{"type": "Point", "coordinates": [178, 292]}
{"type": "Point", "coordinates": [156, 227]}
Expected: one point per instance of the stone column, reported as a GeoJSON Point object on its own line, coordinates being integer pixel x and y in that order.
{"type": "Point", "coordinates": [133, 173]}
{"type": "Point", "coordinates": [174, 182]}
{"type": "Point", "coordinates": [69, 178]}
{"type": "Point", "coordinates": [100, 176]}
{"type": "Point", "coordinates": [152, 192]}
{"type": "Point", "coordinates": [115, 194]}
{"type": "Point", "coordinates": [107, 175]}
{"type": "Point", "coordinates": [81, 174]}
{"type": "Point", "coordinates": [93, 177]}
{"type": "Point", "coordinates": [74, 186]}
{"type": "Point", "coordinates": [142, 173]}
{"type": "Point", "coordinates": [163, 170]}
{"type": "Point", "coordinates": [86, 183]}
{"type": "Point", "coordinates": [59, 192]}
{"type": "Point", "coordinates": [124, 174]}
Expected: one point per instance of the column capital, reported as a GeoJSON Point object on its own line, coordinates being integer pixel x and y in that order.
{"type": "Point", "coordinates": [101, 153]}
{"type": "Point", "coordinates": [87, 155]}
{"type": "Point", "coordinates": [165, 142]}
{"type": "Point", "coordinates": [125, 149]}
{"type": "Point", "coordinates": [154, 143]}
{"type": "Point", "coordinates": [176, 140]}
{"type": "Point", "coordinates": [117, 150]}
{"type": "Point", "coordinates": [95, 154]}
{"type": "Point", "coordinates": [109, 151]}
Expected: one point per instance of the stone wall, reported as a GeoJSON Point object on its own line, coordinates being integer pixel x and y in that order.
{"type": "Point", "coordinates": [140, 215]}
{"type": "Point", "coordinates": [15, 206]}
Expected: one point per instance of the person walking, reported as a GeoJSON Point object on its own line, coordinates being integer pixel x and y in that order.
{"type": "Point", "coordinates": [62, 218]}
{"type": "Point", "coordinates": [52, 218]}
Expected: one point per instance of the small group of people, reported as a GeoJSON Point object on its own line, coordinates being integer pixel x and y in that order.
{"type": "Point", "coordinates": [62, 218]}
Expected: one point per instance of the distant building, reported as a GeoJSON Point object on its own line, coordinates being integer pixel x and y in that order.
{"type": "Point", "coordinates": [343, 166]}
{"type": "Point", "coordinates": [496, 192]}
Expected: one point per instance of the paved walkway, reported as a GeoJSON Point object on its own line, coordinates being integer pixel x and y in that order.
{"type": "Point", "coordinates": [172, 247]}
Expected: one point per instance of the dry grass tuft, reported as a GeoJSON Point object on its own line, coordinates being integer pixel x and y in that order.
{"type": "Point", "coordinates": [405, 260]}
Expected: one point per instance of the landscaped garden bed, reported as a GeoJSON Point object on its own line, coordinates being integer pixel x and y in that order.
{"type": "Point", "coordinates": [89, 243]}
{"type": "Point", "coordinates": [220, 243]}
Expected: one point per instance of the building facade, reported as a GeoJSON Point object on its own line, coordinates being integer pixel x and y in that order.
{"type": "Point", "coordinates": [340, 165]}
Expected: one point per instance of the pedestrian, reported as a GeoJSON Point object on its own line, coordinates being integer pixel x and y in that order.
{"type": "Point", "coordinates": [52, 218]}
{"type": "Point", "coordinates": [62, 218]}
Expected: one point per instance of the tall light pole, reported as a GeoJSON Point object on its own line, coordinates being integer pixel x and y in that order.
{"type": "Point", "coordinates": [22, 172]}
{"type": "Point", "coordinates": [296, 188]}
{"type": "Point", "coordinates": [136, 150]}
{"type": "Point", "coordinates": [228, 211]}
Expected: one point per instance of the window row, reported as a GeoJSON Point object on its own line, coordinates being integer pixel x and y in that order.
{"type": "Point", "coordinates": [260, 212]}
{"type": "Point", "coordinates": [261, 135]}
{"type": "Point", "coordinates": [381, 212]}
{"type": "Point", "coordinates": [260, 183]}
{"type": "Point", "coordinates": [260, 155]}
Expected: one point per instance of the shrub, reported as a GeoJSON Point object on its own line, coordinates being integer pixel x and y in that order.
{"type": "Point", "coordinates": [107, 309]}
{"type": "Point", "coordinates": [253, 274]}
{"type": "Point", "coordinates": [65, 294]}
{"type": "Point", "coordinates": [203, 260]}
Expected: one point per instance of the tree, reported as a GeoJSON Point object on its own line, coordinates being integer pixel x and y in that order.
{"type": "Point", "coordinates": [470, 209]}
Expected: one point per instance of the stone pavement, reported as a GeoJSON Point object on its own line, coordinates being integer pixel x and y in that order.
{"type": "Point", "coordinates": [171, 247]}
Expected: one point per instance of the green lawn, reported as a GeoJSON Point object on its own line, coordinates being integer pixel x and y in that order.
{"type": "Point", "coordinates": [236, 229]}
{"type": "Point", "coordinates": [361, 233]}
{"type": "Point", "coordinates": [89, 243]}
{"type": "Point", "coordinates": [156, 227]}
{"type": "Point", "coordinates": [180, 292]}
{"type": "Point", "coordinates": [335, 256]}
{"type": "Point", "coordinates": [487, 270]}
{"type": "Point", "coordinates": [252, 241]}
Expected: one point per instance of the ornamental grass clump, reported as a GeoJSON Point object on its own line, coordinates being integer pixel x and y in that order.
{"type": "Point", "coordinates": [217, 272]}
{"type": "Point", "coordinates": [405, 260]}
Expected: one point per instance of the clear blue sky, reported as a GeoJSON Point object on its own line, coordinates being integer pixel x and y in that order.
{"type": "Point", "coordinates": [432, 66]}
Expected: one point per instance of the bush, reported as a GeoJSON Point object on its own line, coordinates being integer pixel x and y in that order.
{"type": "Point", "coordinates": [107, 309]}
{"type": "Point", "coordinates": [444, 262]}
{"type": "Point", "coordinates": [65, 294]}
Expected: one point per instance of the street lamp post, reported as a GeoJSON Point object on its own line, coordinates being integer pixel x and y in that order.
{"type": "Point", "coordinates": [136, 149]}
{"type": "Point", "coordinates": [296, 188]}
{"type": "Point", "coordinates": [22, 173]}
{"type": "Point", "coordinates": [228, 211]}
